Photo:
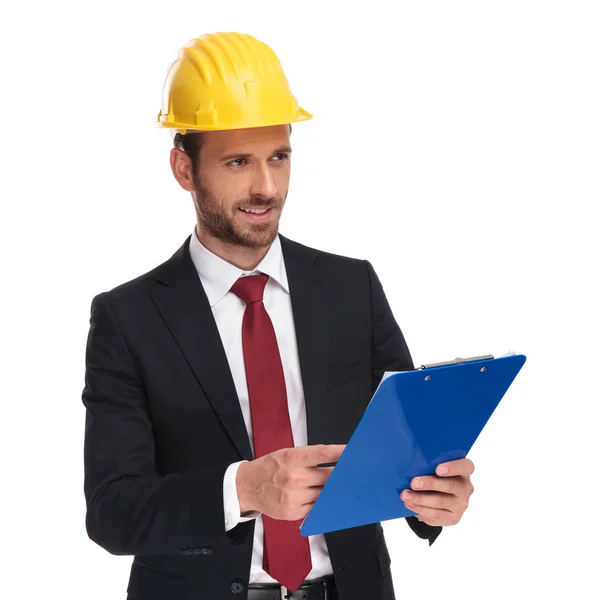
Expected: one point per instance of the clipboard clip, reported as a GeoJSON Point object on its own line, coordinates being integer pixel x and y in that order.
{"type": "Point", "coordinates": [457, 361]}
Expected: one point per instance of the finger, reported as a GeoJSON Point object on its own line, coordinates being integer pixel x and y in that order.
{"type": "Point", "coordinates": [432, 500]}
{"type": "Point", "coordinates": [291, 503]}
{"type": "Point", "coordinates": [308, 496]}
{"type": "Point", "coordinates": [432, 483]}
{"type": "Point", "coordinates": [318, 476]}
{"type": "Point", "coordinates": [424, 519]}
{"type": "Point", "coordinates": [330, 453]}
{"type": "Point", "coordinates": [462, 467]}
{"type": "Point", "coordinates": [435, 515]}
{"type": "Point", "coordinates": [311, 456]}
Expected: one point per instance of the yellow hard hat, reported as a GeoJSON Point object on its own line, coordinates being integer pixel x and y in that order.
{"type": "Point", "coordinates": [227, 81]}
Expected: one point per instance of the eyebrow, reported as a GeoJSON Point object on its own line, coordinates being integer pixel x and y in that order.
{"type": "Point", "coordinates": [281, 150]}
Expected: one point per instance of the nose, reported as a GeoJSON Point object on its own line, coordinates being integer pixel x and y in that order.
{"type": "Point", "coordinates": [263, 184]}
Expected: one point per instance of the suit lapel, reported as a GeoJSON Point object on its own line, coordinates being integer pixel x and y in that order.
{"type": "Point", "coordinates": [310, 309]}
{"type": "Point", "coordinates": [184, 307]}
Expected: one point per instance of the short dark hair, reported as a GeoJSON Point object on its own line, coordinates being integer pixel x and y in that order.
{"type": "Point", "coordinates": [190, 143]}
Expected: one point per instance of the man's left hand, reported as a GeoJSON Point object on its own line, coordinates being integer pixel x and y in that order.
{"type": "Point", "coordinates": [441, 499]}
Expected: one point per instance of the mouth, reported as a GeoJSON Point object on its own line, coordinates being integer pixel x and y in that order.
{"type": "Point", "coordinates": [257, 215]}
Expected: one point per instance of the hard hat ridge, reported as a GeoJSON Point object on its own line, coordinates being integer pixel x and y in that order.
{"type": "Point", "coordinates": [227, 81]}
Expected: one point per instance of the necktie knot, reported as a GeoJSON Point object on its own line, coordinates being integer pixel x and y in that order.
{"type": "Point", "coordinates": [250, 289]}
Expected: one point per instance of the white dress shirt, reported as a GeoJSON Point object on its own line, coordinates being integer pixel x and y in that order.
{"type": "Point", "coordinates": [217, 277]}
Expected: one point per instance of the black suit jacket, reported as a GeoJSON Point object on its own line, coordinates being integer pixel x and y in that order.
{"type": "Point", "coordinates": [163, 421]}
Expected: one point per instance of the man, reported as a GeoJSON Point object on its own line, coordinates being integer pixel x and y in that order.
{"type": "Point", "coordinates": [219, 381]}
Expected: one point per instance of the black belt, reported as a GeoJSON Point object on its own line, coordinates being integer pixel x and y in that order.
{"type": "Point", "coordinates": [317, 589]}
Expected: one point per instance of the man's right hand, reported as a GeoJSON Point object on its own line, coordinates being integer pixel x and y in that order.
{"type": "Point", "coordinates": [285, 484]}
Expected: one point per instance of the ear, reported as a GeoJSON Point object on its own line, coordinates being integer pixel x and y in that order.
{"type": "Point", "coordinates": [181, 165]}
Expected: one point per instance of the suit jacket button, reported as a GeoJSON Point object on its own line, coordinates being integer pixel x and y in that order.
{"type": "Point", "coordinates": [206, 551]}
{"type": "Point", "coordinates": [237, 587]}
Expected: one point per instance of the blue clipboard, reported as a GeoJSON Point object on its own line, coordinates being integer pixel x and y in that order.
{"type": "Point", "coordinates": [415, 421]}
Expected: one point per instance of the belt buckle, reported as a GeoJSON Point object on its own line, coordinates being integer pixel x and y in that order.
{"type": "Point", "coordinates": [284, 592]}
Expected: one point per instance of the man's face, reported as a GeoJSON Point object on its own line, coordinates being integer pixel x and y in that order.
{"type": "Point", "coordinates": [240, 171]}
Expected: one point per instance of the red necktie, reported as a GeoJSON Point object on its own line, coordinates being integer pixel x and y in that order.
{"type": "Point", "coordinates": [286, 553]}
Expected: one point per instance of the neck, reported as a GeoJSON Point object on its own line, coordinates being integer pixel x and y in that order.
{"type": "Point", "coordinates": [241, 257]}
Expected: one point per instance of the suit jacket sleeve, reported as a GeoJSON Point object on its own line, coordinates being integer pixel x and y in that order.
{"type": "Point", "coordinates": [390, 353]}
{"type": "Point", "coordinates": [131, 508]}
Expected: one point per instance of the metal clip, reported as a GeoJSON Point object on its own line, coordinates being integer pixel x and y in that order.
{"type": "Point", "coordinates": [457, 361]}
{"type": "Point", "coordinates": [284, 592]}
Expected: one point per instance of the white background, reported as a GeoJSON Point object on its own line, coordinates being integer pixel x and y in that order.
{"type": "Point", "coordinates": [455, 145]}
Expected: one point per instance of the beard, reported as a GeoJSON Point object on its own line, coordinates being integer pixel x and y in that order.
{"type": "Point", "coordinates": [224, 225]}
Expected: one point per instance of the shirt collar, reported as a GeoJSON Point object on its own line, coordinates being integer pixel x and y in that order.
{"type": "Point", "coordinates": [217, 275]}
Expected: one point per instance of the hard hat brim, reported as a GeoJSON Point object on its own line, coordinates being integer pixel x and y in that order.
{"type": "Point", "coordinates": [301, 115]}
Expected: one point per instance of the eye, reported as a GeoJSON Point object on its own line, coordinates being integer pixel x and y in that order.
{"type": "Point", "coordinates": [237, 162]}
{"type": "Point", "coordinates": [281, 157]}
